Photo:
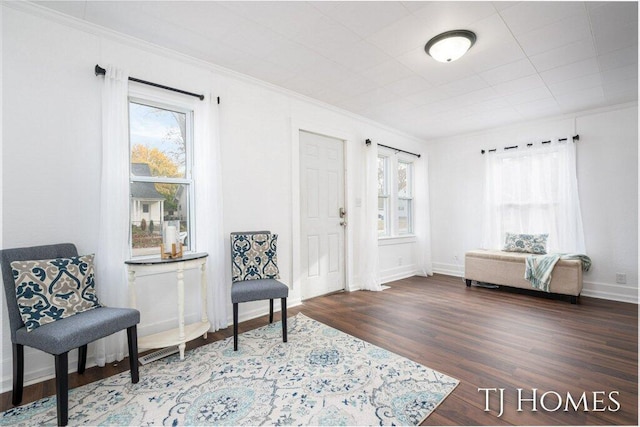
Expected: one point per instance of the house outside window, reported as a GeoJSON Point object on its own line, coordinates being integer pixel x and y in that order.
{"type": "Point", "coordinates": [395, 196]}
{"type": "Point", "coordinates": [161, 188]}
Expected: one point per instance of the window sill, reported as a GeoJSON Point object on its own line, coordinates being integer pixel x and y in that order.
{"type": "Point", "coordinates": [396, 240]}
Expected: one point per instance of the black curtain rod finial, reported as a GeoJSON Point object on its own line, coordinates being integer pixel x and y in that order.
{"type": "Point", "coordinates": [367, 141]}
{"type": "Point", "coordinates": [100, 71]}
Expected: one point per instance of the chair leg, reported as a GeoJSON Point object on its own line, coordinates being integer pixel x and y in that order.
{"type": "Point", "coordinates": [235, 326]}
{"type": "Point", "coordinates": [132, 341]}
{"type": "Point", "coordinates": [18, 373]}
{"type": "Point", "coordinates": [271, 310]}
{"type": "Point", "coordinates": [283, 303]}
{"type": "Point", "coordinates": [62, 388]}
{"type": "Point", "coordinates": [82, 358]}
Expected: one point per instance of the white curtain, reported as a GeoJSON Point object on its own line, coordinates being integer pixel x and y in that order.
{"type": "Point", "coordinates": [368, 243]}
{"type": "Point", "coordinates": [422, 221]}
{"type": "Point", "coordinates": [534, 190]}
{"type": "Point", "coordinates": [113, 234]}
{"type": "Point", "coordinates": [208, 205]}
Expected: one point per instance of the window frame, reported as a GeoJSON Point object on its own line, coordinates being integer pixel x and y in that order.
{"type": "Point", "coordinates": [155, 101]}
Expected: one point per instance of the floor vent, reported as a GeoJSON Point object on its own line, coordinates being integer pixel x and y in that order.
{"type": "Point", "coordinates": [152, 357]}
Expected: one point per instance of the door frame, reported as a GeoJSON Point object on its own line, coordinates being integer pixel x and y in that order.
{"type": "Point", "coordinates": [348, 143]}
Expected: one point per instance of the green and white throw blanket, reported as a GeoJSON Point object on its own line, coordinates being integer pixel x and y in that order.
{"type": "Point", "coordinates": [539, 267]}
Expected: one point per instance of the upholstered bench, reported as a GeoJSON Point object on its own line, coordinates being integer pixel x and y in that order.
{"type": "Point", "coordinates": [508, 269]}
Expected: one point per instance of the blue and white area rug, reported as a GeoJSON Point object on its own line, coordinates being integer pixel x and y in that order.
{"type": "Point", "coordinates": [320, 377]}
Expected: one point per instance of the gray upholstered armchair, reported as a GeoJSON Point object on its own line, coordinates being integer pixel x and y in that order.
{"type": "Point", "coordinates": [52, 307]}
{"type": "Point", "coordinates": [254, 274]}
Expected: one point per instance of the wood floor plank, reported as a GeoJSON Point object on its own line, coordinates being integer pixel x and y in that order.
{"type": "Point", "coordinates": [486, 338]}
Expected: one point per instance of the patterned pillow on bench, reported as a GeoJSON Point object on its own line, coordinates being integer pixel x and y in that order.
{"type": "Point", "coordinates": [528, 243]}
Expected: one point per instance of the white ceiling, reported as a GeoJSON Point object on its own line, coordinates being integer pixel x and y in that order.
{"type": "Point", "coordinates": [531, 59]}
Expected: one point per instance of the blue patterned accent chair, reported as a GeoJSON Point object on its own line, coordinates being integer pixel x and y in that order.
{"type": "Point", "coordinates": [255, 274]}
{"type": "Point", "coordinates": [53, 307]}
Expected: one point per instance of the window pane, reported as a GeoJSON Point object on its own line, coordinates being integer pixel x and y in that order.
{"type": "Point", "coordinates": [382, 175]}
{"type": "Point", "coordinates": [405, 225]}
{"type": "Point", "coordinates": [164, 203]}
{"type": "Point", "coordinates": [404, 179]}
{"type": "Point", "coordinates": [157, 138]}
{"type": "Point", "coordinates": [383, 218]}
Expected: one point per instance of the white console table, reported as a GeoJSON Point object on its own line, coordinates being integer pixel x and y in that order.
{"type": "Point", "coordinates": [180, 335]}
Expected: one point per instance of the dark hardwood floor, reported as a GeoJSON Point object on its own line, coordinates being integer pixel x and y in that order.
{"type": "Point", "coordinates": [486, 338]}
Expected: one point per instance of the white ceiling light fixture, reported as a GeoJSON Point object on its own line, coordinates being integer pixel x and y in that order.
{"type": "Point", "coordinates": [451, 45]}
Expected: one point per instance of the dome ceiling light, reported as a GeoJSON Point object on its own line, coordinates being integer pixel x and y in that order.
{"type": "Point", "coordinates": [450, 45]}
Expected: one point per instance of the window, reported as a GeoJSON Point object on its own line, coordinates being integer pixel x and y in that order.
{"type": "Point", "coordinates": [395, 194]}
{"type": "Point", "coordinates": [533, 191]}
{"type": "Point", "coordinates": [161, 188]}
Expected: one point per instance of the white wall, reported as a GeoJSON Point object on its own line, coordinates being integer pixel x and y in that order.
{"type": "Point", "coordinates": [607, 181]}
{"type": "Point", "coordinates": [51, 156]}
{"type": "Point", "coordinates": [398, 258]}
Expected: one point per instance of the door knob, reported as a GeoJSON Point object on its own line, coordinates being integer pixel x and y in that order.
{"type": "Point", "coordinates": [343, 223]}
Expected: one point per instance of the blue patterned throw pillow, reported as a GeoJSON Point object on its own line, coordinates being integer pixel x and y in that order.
{"type": "Point", "coordinates": [528, 243]}
{"type": "Point", "coordinates": [254, 257]}
{"type": "Point", "coordinates": [52, 289]}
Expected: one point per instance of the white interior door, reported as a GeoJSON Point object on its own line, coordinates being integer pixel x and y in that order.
{"type": "Point", "coordinates": [322, 215]}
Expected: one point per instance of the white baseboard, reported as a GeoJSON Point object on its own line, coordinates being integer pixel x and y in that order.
{"type": "Point", "coordinates": [610, 291]}
{"type": "Point", "coordinates": [448, 269]}
{"type": "Point", "coordinates": [397, 273]}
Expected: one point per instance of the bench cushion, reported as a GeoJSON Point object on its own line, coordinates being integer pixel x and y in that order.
{"type": "Point", "coordinates": [508, 269]}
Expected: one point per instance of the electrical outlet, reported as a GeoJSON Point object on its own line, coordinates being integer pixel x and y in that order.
{"type": "Point", "coordinates": [399, 260]}
{"type": "Point", "coordinates": [621, 278]}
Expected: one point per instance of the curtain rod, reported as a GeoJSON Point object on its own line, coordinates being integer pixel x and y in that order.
{"type": "Point", "coordinates": [101, 71]}
{"type": "Point", "coordinates": [397, 150]}
{"type": "Point", "coordinates": [575, 138]}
